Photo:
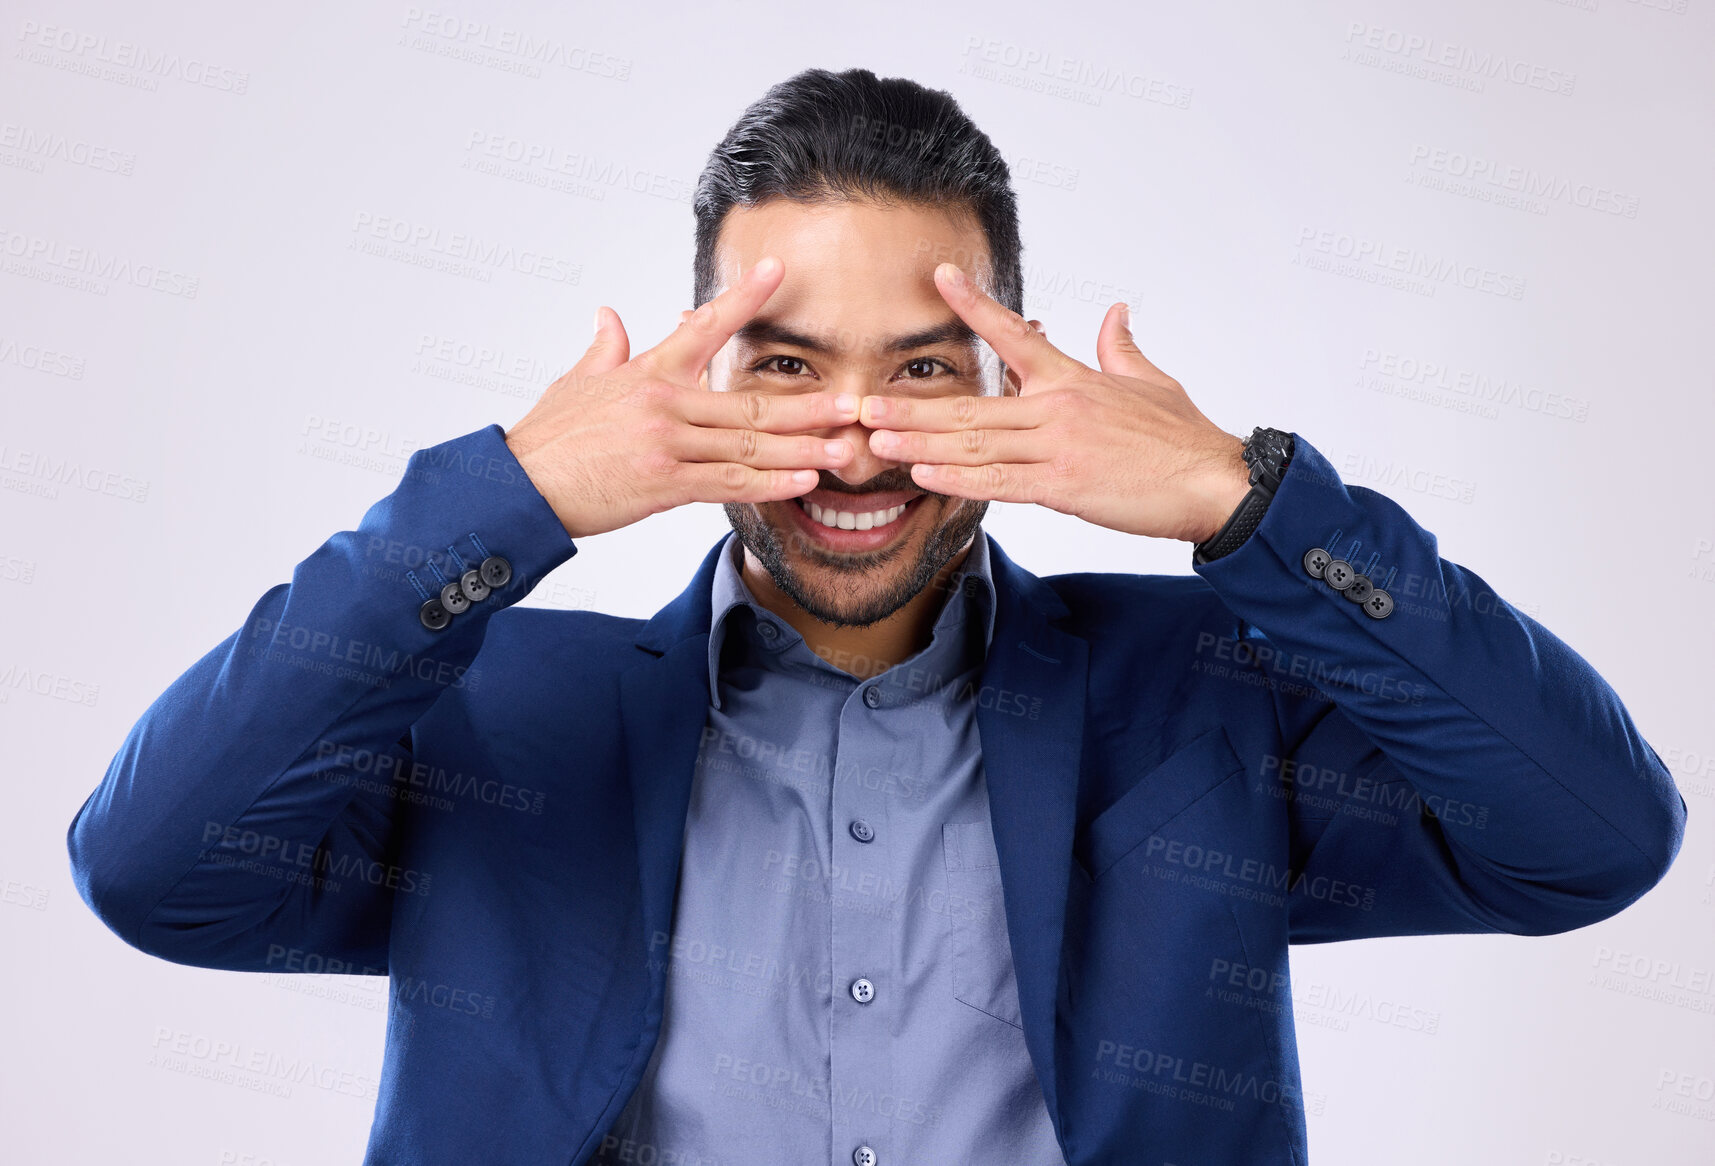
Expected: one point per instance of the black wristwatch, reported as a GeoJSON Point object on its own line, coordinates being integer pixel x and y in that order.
{"type": "Point", "coordinates": [1267, 452]}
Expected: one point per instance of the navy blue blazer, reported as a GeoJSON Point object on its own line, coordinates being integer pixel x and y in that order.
{"type": "Point", "coordinates": [1186, 774]}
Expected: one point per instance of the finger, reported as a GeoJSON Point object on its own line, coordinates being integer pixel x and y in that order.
{"type": "Point", "coordinates": [693, 343]}
{"type": "Point", "coordinates": [767, 412]}
{"type": "Point", "coordinates": [1117, 351]}
{"type": "Point", "coordinates": [952, 413]}
{"type": "Point", "coordinates": [735, 482]}
{"type": "Point", "coordinates": [763, 451]}
{"type": "Point", "coordinates": [994, 482]}
{"type": "Point", "coordinates": [967, 447]}
{"type": "Point", "coordinates": [611, 346]}
{"type": "Point", "coordinates": [1022, 347]}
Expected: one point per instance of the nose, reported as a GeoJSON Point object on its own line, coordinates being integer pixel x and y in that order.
{"type": "Point", "coordinates": [864, 464]}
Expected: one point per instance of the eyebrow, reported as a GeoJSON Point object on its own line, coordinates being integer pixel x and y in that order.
{"type": "Point", "coordinates": [758, 333]}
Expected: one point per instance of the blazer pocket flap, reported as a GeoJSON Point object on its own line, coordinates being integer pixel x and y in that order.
{"type": "Point", "coordinates": [1160, 795]}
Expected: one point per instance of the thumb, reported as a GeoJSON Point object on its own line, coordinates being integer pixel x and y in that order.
{"type": "Point", "coordinates": [611, 346]}
{"type": "Point", "coordinates": [1117, 351]}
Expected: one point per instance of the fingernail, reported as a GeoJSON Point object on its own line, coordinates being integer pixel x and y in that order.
{"type": "Point", "coordinates": [806, 477]}
{"type": "Point", "coordinates": [834, 448]}
{"type": "Point", "coordinates": [846, 403]}
{"type": "Point", "coordinates": [765, 267]}
{"type": "Point", "coordinates": [877, 407]}
{"type": "Point", "coordinates": [598, 320]}
{"type": "Point", "coordinates": [954, 275]}
{"type": "Point", "coordinates": [1125, 316]}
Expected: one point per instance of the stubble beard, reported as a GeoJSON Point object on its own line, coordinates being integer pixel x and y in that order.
{"type": "Point", "coordinates": [848, 602]}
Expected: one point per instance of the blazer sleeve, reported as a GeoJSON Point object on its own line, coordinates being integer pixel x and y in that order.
{"type": "Point", "coordinates": [1452, 766]}
{"type": "Point", "coordinates": [247, 821]}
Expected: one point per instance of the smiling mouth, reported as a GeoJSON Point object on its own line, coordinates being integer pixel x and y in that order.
{"type": "Point", "coordinates": [855, 523]}
{"type": "Point", "coordinates": [850, 517]}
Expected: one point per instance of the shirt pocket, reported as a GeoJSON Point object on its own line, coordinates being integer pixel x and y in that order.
{"type": "Point", "coordinates": [1173, 786]}
{"type": "Point", "coordinates": [982, 971]}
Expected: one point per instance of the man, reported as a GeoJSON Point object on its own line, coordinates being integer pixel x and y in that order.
{"type": "Point", "coordinates": [872, 846]}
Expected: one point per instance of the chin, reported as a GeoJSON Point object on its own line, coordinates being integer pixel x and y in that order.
{"type": "Point", "coordinates": [855, 587]}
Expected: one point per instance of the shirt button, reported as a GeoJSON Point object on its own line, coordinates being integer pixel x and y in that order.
{"type": "Point", "coordinates": [864, 1156]}
{"type": "Point", "coordinates": [872, 696]}
{"type": "Point", "coordinates": [862, 990]}
{"type": "Point", "coordinates": [861, 830]}
{"type": "Point", "coordinates": [768, 630]}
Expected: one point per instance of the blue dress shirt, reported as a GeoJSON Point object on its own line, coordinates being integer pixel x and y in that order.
{"type": "Point", "coordinates": [840, 986]}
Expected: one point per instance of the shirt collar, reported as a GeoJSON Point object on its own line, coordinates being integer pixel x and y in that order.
{"type": "Point", "coordinates": [974, 579]}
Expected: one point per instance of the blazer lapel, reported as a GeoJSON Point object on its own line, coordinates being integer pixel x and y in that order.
{"type": "Point", "coordinates": [1030, 717]}
{"type": "Point", "coordinates": [1030, 714]}
{"type": "Point", "coordinates": [664, 703]}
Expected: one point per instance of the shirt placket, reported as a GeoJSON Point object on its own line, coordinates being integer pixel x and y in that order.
{"type": "Point", "coordinates": [862, 942]}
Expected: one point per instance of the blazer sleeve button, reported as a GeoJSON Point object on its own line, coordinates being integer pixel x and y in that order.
{"type": "Point", "coordinates": [473, 586]}
{"type": "Point", "coordinates": [1360, 589]}
{"type": "Point", "coordinates": [433, 615]}
{"type": "Point", "coordinates": [1339, 574]}
{"type": "Point", "coordinates": [496, 571]}
{"type": "Point", "coordinates": [454, 599]}
{"type": "Point", "coordinates": [1316, 561]}
{"type": "Point", "coordinates": [1379, 605]}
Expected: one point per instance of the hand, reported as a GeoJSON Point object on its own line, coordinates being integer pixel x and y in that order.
{"type": "Point", "coordinates": [1122, 447]}
{"type": "Point", "coordinates": [619, 438]}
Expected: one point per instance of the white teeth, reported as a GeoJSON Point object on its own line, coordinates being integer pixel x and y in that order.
{"type": "Point", "coordinates": [850, 519]}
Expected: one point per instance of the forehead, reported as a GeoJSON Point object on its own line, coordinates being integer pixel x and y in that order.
{"type": "Point", "coordinates": [855, 262]}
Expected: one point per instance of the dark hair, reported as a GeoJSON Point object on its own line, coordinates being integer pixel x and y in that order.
{"type": "Point", "coordinates": [821, 136]}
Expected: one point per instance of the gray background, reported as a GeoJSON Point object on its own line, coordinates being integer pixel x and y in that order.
{"type": "Point", "coordinates": [1212, 164]}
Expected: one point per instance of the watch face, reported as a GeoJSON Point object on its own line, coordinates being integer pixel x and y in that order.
{"type": "Point", "coordinates": [1266, 444]}
{"type": "Point", "coordinates": [1267, 452]}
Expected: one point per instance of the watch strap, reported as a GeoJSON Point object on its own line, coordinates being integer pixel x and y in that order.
{"type": "Point", "coordinates": [1245, 519]}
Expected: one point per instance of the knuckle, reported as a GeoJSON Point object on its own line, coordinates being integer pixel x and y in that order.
{"type": "Point", "coordinates": [1062, 403]}
{"type": "Point", "coordinates": [993, 478]}
{"type": "Point", "coordinates": [655, 428]}
{"type": "Point", "coordinates": [703, 320]}
{"type": "Point", "coordinates": [965, 410]}
{"type": "Point", "coordinates": [734, 477]}
{"type": "Point", "coordinates": [755, 408]}
{"type": "Point", "coordinates": [747, 445]}
{"type": "Point", "coordinates": [652, 393]}
{"type": "Point", "coordinates": [658, 464]}
{"type": "Point", "coordinates": [973, 440]}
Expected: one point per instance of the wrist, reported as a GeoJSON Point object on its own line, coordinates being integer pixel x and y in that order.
{"type": "Point", "coordinates": [1265, 453]}
{"type": "Point", "coordinates": [1225, 487]}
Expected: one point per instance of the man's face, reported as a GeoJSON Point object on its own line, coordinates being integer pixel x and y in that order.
{"type": "Point", "coordinates": [857, 312]}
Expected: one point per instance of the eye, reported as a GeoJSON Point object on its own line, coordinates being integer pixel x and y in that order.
{"type": "Point", "coordinates": [790, 366]}
{"type": "Point", "coordinates": [927, 365]}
